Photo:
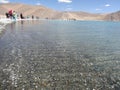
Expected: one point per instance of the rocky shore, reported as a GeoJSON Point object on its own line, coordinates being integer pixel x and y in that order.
{"type": "Point", "coordinates": [1, 27]}
{"type": "Point", "coordinates": [3, 23]}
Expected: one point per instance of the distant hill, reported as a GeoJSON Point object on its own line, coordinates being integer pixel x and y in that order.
{"type": "Point", "coordinates": [28, 10]}
{"type": "Point", "coordinates": [113, 16]}
{"type": "Point", "coordinates": [44, 12]}
{"type": "Point", "coordinates": [78, 16]}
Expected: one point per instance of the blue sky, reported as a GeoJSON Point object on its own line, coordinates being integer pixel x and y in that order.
{"type": "Point", "coordinates": [93, 6]}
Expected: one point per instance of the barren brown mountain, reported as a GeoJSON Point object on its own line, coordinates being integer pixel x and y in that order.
{"type": "Point", "coordinates": [113, 16]}
{"type": "Point", "coordinates": [78, 16]}
{"type": "Point", "coordinates": [44, 12]}
{"type": "Point", "coordinates": [28, 10]}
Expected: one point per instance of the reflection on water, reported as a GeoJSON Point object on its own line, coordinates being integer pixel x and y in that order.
{"type": "Point", "coordinates": [22, 22]}
{"type": "Point", "coordinates": [80, 55]}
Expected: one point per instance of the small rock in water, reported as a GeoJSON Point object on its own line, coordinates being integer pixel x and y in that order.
{"type": "Point", "coordinates": [112, 86]}
{"type": "Point", "coordinates": [23, 88]}
{"type": "Point", "coordinates": [36, 86]}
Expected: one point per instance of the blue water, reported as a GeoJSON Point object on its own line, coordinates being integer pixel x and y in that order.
{"type": "Point", "coordinates": [95, 39]}
{"type": "Point", "coordinates": [92, 37]}
{"type": "Point", "coordinates": [77, 55]}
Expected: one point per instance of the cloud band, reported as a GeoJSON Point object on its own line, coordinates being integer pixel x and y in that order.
{"type": "Point", "coordinates": [65, 1]}
{"type": "Point", "coordinates": [4, 1]}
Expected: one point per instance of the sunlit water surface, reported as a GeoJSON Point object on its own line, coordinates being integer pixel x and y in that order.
{"type": "Point", "coordinates": [60, 55]}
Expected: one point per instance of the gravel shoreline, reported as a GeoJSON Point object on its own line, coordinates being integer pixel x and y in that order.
{"type": "Point", "coordinates": [3, 23]}
{"type": "Point", "coordinates": [1, 27]}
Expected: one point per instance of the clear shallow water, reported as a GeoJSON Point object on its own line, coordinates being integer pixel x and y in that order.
{"type": "Point", "coordinates": [73, 55]}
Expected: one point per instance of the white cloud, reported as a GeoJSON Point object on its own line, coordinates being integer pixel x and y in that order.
{"type": "Point", "coordinates": [38, 3]}
{"type": "Point", "coordinates": [107, 5]}
{"type": "Point", "coordinates": [98, 9]}
{"type": "Point", "coordinates": [4, 1]}
{"type": "Point", "coordinates": [65, 1]}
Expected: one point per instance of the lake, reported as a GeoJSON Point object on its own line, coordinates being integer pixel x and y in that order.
{"type": "Point", "coordinates": [60, 55]}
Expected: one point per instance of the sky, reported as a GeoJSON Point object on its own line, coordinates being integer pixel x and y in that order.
{"type": "Point", "coordinates": [92, 6]}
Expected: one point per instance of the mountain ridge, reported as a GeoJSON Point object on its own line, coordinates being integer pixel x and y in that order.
{"type": "Point", "coordinates": [45, 12]}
